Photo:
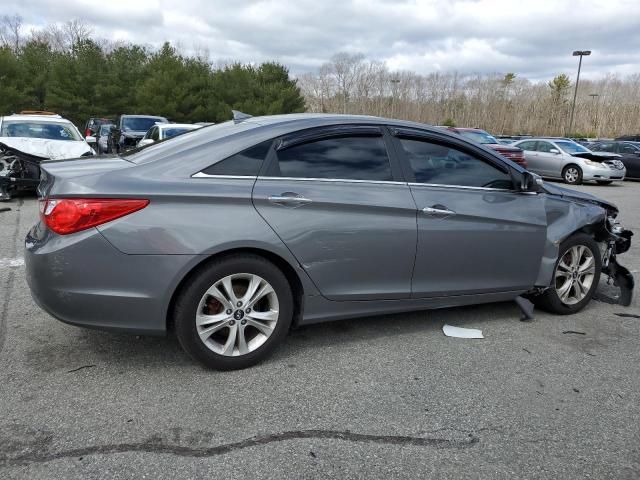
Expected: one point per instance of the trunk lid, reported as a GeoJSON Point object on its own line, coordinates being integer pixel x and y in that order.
{"type": "Point", "coordinates": [64, 174]}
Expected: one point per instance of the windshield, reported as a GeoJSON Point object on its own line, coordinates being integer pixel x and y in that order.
{"type": "Point", "coordinates": [479, 136]}
{"type": "Point", "coordinates": [105, 129]}
{"type": "Point", "coordinates": [35, 129]}
{"type": "Point", "coordinates": [572, 147]}
{"type": "Point", "coordinates": [139, 124]}
{"type": "Point", "coordinates": [172, 132]}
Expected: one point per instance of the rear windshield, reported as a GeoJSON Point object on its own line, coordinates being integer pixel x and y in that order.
{"type": "Point", "coordinates": [186, 141]}
{"type": "Point", "coordinates": [35, 129]}
{"type": "Point", "coordinates": [139, 124]}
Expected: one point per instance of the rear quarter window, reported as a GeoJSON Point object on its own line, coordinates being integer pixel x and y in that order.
{"type": "Point", "coordinates": [245, 163]}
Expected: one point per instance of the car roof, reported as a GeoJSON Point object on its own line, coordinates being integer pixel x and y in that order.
{"type": "Point", "coordinates": [163, 126]}
{"type": "Point", "coordinates": [39, 118]}
{"type": "Point", "coordinates": [143, 116]}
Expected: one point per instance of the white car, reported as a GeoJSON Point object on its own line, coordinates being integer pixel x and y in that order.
{"type": "Point", "coordinates": [563, 158]}
{"type": "Point", "coordinates": [30, 138]}
{"type": "Point", "coordinates": [162, 131]}
{"type": "Point", "coordinates": [44, 135]}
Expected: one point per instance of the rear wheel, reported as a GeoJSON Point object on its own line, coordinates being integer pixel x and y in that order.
{"type": "Point", "coordinates": [234, 312]}
{"type": "Point", "coordinates": [575, 277]}
{"type": "Point", "coordinates": [604, 182]}
{"type": "Point", "coordinates": [572, 174]}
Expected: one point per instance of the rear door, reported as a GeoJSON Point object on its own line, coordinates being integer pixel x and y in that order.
{"type": "Point", "coordinates": [337, 199]}
{"type": "Point", "coordinates": [530, 154]}
{"type": "Point", "coordinates": [476, 232]}
{"type": "Point", "coordinates": [631, 159]}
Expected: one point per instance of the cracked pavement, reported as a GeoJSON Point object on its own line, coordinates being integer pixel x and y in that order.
{"type": "Point", "coordinates": [380, 397]}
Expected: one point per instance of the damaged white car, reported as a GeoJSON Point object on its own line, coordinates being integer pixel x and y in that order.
{"type": "Point", "coordinates": [28, 138]}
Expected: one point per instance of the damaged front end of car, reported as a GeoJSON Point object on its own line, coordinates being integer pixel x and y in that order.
{"type": "Point", "coordinates": [618, 241]}
{"type": "Point", "coordinates": [569, 212]}
{"type": "Point", "coordinates": [20, 171]}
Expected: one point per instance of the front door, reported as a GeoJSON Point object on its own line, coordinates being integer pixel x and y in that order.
{"type": "Point", "coordinates": [344, 211]}
{"type": "Point", "coordinates": [476, 232]}
{"type": "Point", "coordinates": [550, 162]}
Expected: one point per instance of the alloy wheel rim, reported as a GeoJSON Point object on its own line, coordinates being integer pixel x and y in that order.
{"type": "Point", "coordinates": [237, 314]}
{"type": "Point", "coordinates": [574, 274]}
{"type": "Point", "coordinates": [571, 175]}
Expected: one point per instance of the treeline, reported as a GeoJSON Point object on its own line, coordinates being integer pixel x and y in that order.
{"type": "Point", "coordinates": [63, 69]}
{"type": "Point", "coordinates": [499, 103]}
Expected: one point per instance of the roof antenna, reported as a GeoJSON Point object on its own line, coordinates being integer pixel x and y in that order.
{"type": "Point", "coordinates": [238, 116]}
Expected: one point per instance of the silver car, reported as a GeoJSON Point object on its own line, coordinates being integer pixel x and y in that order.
{"type": "Point", "coordinates": [570, 161]}
{"type": "Point", "coordinates": [234, 233]}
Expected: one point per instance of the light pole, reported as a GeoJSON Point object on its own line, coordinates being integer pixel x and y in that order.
{"type": "Point", "coordinates": [596, 100]}
{"type": "Point", "coordinates": [394, 87]}
{"type": "Point", "coordinates": [577, 53]}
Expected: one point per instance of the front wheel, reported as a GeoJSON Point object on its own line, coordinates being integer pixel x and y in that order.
{"type": "Point", "coordinates": [575, 276]}
{"type": "Point", "coordinates": [234, 312]}
{"type": "Point", "coordinates": [572, 174]}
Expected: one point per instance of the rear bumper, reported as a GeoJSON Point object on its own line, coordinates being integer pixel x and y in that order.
{"type": "Point", "coordinates": [83, 280]}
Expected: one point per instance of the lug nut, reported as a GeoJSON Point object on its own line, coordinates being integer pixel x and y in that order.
{"type": "Point", "coordinates": [243, 322]}
{"type": "Point", "coordinates": [232, 322]}
{"type": "Point", "coordinates": [229, 312]}
{"type": "Point", "coordinates": [239, 304]}
{"type": "Point", "coordinates": [248, 310]}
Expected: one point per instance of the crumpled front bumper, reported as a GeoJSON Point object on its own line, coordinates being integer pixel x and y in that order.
{"type": "Point", "coordinates": [619, 241]}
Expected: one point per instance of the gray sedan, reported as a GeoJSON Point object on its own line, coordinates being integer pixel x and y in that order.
{"type": "Point", "coordinates": [563, 158]}
{"type": "Point", "coordinates": [233, 233]}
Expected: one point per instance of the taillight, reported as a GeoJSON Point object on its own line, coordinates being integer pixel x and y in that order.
{"type": "Point", "coordinates": [88, 132]}
{"type": "Point", "coordinates": [70, 215]}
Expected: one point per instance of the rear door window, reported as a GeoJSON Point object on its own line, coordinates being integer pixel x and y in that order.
{"type": "Point", "coordinates": [527, 146]}
{"type": "Point", "coordinates": [345, 157]}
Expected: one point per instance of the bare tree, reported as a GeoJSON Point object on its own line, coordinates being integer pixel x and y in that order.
{"type": "Point", "coordinates": [11, 31]}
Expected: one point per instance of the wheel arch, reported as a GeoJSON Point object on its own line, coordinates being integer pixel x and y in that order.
{"type": "Point", "coordinates": [293, 277]}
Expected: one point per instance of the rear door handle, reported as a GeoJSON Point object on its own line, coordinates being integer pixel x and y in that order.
{"type": "Point", "coordinates": [289, 199]}
{"type": "Point", "coordinates": [437, 210]}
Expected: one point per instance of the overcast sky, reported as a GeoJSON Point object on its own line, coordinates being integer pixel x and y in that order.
{"type": "Point", "coordinates": [533, 38]}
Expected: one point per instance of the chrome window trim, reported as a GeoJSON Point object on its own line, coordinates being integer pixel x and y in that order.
{"type": "Point", "coordinates": [236, 177]}
{"type": "Point", "coordinates": [340, 180]}
{"type": "Point", "coordinates": [461, 187]}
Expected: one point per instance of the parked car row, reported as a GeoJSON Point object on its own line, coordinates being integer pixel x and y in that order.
{"type": "Point", "coordinates": [564, 158]}
{"type": "Point", "coordinates": [28, 138]}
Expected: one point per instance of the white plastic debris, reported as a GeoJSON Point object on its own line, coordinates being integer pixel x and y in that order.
{"type": "Point", "coordinates": [460, 332]}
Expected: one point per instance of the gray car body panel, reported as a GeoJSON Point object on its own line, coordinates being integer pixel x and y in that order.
{"type": "Point", "coordinates": [360, 264]}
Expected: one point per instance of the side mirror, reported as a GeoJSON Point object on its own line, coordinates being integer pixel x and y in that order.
{"type": "Point", "coordinates": [145, 141]}
{"type": "Point", "coordinates": [531, 182]}
{"type": "Point", "coordinates": [555, 151]}
{"type": "Point", "coordinates": [89, 139]}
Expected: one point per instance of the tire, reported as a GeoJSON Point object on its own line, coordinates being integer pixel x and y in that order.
{"type": "Point", "coordinates": [262, 334]}
{"type": "Point", "coordinates": [572, 174]}
{"type": "Point", "coordinates": [553, 301]}
{"type": "Point", "coordinates": [604, 182]}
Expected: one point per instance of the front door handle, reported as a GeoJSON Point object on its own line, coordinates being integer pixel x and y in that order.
{"type": "Point", "coordinates": [289, 199]}
{"type": "Point", "coordinates": [437, 210]}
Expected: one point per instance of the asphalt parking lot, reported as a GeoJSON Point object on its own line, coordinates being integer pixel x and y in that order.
{"type": "Point", "coordinates": [388, 397]}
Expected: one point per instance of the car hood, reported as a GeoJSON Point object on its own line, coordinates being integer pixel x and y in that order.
{"type": "Point", "coordinates": [596, 156]}
{"type": "Point", "coordinates": [53, 149]}
{"type": "Point", "coordinates": [576, 196]}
